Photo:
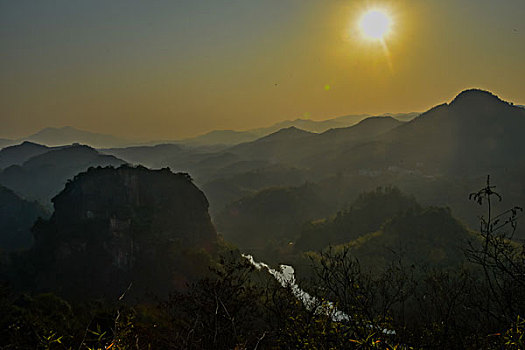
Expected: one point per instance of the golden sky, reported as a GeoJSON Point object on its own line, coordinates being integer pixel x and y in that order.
{"type": "Point", "coordinates": [172, 69]}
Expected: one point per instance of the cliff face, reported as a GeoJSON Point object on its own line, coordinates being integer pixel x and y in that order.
{"type": "Point", "coordinates": [112, 227]}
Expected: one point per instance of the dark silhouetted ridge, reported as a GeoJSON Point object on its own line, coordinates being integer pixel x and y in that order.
{"type": "Point", "coordinates": [475, 96]}
{"type": "Point", "coordinates": [475, 133]}
{"type": "Point", "coordinates": [372, 125]}
{"type": "Point", "coordinates": [291, 132]}
{"type": "Point", "coordinates": [44, 175]}
{"type": "Point", "coordinates": [271, 146]}
{"type": "Point", "coordinates": [74, 154]}
{"type": "Point", "coordinates": [18, 154]}
{"type": "Point", "coordinates": [67, 135]}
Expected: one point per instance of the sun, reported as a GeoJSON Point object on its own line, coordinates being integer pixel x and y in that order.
{"type": "Point", "coordinates": [375, 24]}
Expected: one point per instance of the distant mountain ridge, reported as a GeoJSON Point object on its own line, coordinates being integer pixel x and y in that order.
{"type": "Point", "coordinates": [43, 175]}
{"type": "Point", "coordinates": [231, 137]}
{"type": "Point", "coordinates": [444, 150]}
{"type": "Point", "coordinates": [299, 146]}
{"type": "Point", "coordinates": [220, 137]}
{"type": "Point", "coordinates": [476, 132]}
{"type": "Point", "coordinates": [66, 135]}
{"type": "Point", "coordinates": [18, 154]}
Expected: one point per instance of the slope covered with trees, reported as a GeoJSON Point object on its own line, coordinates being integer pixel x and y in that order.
{"type": "Point", "coordinates": [17, 217]}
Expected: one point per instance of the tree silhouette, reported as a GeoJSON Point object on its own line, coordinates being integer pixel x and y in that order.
{"type": "Point", "coordinates": [501, 258]}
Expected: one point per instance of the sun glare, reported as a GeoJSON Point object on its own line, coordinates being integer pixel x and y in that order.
{"type": "Point", "coordinates": [375, 24]}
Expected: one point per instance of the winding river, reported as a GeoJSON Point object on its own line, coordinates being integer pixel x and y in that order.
{"type": "Point", "coordinates": [286, 277]}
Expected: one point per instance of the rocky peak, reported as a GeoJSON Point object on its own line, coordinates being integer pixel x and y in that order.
{"type": "Point", "coordinates": [119, 225]}
{"type": "Point", "coordinates": [170, 202]}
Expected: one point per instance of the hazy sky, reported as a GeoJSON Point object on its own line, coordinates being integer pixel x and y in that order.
{"type": "Point", "coordinates": [170, 69]}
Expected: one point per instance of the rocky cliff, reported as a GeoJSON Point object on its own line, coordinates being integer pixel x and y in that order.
{"type": "Point", "coordinates": [113, 227]}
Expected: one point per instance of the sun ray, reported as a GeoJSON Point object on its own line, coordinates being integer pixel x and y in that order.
{"type": "Point", "coordinates": [387, 55]}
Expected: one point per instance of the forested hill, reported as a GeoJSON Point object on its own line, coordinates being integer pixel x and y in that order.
{"type": "Point", "coordinates": [17, 216]}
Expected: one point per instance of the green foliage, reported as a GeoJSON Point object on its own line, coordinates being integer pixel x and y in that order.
{"type": "Point", "coordinates": [270, 217]}
{"type": "Point", "coordinates": [220, 311]}
{"type": "Point", "coordinates": [385, 225]}
{"type": "Point", "coordinates": [514, 337]}
{"type": "Point", "coordinates": [366, 214]}
{"type": "Point", "coordinates": [400, 304]}
{"type": "Point", "coordinates": [46, 321]}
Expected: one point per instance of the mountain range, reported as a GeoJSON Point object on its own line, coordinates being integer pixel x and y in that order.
{"type": "Point", "coordinates": [270, 187]}
{"type": "Point", "coordinates": [476, 133]}
{"type": "Point", "coordinates": [299, 147]}
{"type": "Point", "coordinates": [59, 136]}
{"type": "Point", "coordinates": [45, 173]}
{"type": "Point", "coordinates": [439, 155]}
{"type": "Point", "coordinates": [18, 154]}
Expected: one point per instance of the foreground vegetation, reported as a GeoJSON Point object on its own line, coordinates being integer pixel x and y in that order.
{"type": "Point", "coordinates": [241, 307]}
{"type": "Point", "coordinates": [476, 304]}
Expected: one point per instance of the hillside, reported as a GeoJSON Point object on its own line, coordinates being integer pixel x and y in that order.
{"type": "Point", "coordinates": [270, 217]}
{"type": "Point", "coordinates": [427, 238]}
{"type": "Point", "coordinates": [282, 145]}
{"type": "Point", "coordinates": [364, 130]}
{"type": "Point", "coordinates": [326, 146]}
{"type": "Point", "coordinates": [383, 229]}
{"type": "Point", "coordinates": [366, 215]}
{"type": "Point", "coordinates": [17, 217]}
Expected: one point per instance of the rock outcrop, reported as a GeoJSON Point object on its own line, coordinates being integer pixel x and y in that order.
{"type": "Point", "coordinates": [113, 227]}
